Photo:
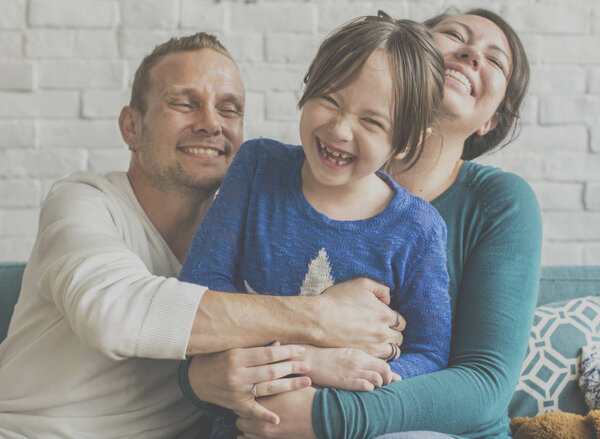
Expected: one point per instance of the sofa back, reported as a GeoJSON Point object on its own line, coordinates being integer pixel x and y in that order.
{"type": "Point", "coordinates": [11, 274]}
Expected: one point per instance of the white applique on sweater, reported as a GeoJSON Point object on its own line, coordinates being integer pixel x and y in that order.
{"type": "Point", "coordinates": [317, 279]}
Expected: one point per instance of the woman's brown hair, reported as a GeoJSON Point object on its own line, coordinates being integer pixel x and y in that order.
{"type": "Point", "coordinates": [417, 71]}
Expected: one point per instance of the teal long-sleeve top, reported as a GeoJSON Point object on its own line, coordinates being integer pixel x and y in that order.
{"type": "Point", "coordinates": [494, 246]}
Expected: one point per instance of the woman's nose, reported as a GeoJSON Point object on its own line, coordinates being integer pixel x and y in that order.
{"type": "Point", "coordinates": [472, 56]}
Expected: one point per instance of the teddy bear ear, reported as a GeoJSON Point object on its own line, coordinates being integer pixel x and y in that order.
{"type": "Point", "coordinates": [517, 423]}
{"type": "Point", "coordinates": [593, 418]}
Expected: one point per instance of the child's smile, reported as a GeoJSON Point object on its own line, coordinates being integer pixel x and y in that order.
{"type": "Point", "coordinates": [333, 156]}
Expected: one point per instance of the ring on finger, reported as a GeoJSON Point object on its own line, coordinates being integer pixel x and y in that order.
{"type": "Point", "coordinates": [254, 390]}
{"type": "Point", "coordinates": [395, 351]}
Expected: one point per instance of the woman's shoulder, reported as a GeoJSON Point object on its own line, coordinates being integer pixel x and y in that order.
{"type": "Point", "coordinates": [495, 183]}
{"type": "Point", "coordinates": [500, 190]}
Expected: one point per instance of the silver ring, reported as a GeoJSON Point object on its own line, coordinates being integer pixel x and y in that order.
{"type": "Point", "coordinates": [394, 354]}
{"type": "Point", "coordinates": [253, 391]}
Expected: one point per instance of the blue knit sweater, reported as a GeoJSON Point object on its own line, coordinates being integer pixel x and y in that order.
{"type": "Point", "coordinates": [262, 236]}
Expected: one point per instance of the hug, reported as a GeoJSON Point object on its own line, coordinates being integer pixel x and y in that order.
{"type": "Point", "coordinates": [389, 281]}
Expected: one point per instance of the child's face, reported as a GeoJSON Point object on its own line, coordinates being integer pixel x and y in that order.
{"type": "Point", "coordinates": [347, 135]}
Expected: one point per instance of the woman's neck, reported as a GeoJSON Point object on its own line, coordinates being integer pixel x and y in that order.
{"type": "Point", "coordinates": [434, 171]}
{"type": "Point", "coordinates": [350, 202]}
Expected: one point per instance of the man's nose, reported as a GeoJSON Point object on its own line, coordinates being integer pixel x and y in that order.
{"type": "Point", "coordinates": [208, 121]}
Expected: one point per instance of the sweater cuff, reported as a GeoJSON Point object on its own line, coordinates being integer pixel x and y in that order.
{"type": "Point", "coordinates": [186, 389]}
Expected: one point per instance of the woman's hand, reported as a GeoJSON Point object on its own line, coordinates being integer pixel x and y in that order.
{"type": "Point", "coordinates": [295, 410]}
{"type": "Point", "coordinates": [347, 369]}
{"type": "Point", "coordinates": [227, 378]}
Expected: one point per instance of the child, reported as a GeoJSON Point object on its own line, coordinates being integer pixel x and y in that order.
{"type": "Point", "coordinates": [299, 219]}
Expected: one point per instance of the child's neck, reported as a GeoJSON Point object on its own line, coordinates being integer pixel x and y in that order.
{"type": "Point", "coordinates": [354, 201]}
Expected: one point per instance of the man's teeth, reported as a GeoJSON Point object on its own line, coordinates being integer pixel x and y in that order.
{"type": "Point", "coordinates": [460, 78]}
{"type": "Point", "coordinates": [335, 157]}
{"type": "Point", "coordinates": [202, 151]}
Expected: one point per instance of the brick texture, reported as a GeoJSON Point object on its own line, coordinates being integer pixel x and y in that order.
{"type": "Point", "coordinates": [66, 68]}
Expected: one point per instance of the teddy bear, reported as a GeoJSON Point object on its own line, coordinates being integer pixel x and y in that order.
{"type": "Point", "coordinates": [557, 425]}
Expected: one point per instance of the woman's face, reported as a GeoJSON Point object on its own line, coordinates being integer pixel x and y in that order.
{"type": "Point", "coordinates": [478, 66]}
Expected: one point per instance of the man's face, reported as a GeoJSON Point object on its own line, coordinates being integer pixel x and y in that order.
{"type": "Point", "coordinates": [192, 127]}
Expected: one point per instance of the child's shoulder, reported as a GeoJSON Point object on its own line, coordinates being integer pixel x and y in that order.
{"type": "Point", "coordinates": [269, 149]}
{"type": "Point", "coordinates": [417, 214]}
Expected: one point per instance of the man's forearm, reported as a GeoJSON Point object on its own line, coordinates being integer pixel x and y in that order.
{"type": "Point", "coordinates": [225, 321]}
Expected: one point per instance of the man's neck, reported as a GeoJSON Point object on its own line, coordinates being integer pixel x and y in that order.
{"type": "Point", "coordinates": [175, 214]}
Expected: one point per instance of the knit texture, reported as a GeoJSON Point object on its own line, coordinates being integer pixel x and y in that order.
{"type": "Point", "coordinates": [262, 236]}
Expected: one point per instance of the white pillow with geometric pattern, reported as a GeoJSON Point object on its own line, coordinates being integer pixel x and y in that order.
{"type": "Point", "coordinates": [550, 372]}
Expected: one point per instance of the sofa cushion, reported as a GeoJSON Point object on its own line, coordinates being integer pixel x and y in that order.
{"type": "Point", "coordinates": [550, 371]}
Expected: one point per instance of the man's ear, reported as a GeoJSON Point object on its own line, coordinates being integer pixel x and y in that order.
{"type": "Point", "coordinates": [488, 126]}
{"type": "Point", "coordinates": [130, 124]}
{"type": "Point", "coordinates": [424, 137]}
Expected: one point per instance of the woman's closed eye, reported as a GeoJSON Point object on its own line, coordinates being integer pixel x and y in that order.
{"type": "Point", "coordinates": [455, 34]}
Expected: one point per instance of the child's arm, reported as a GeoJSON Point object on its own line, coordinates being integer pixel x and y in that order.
{"type": "Point", "coordinates": [425, 304]}
{"type": "Point", "coordinates": [347, 369]}
{"type": "Point", "coordinates": [214, 251]}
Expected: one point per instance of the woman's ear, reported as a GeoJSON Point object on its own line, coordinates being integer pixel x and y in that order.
{"type": "Point", "coordinates": [488, 126]}
{"type": "Point", "coordinates": [424, 136]}
{"type": "Point", "coordinates": [130, 124]}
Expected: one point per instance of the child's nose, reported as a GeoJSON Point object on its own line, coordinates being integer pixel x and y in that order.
{"type": "Point", "coordinates": [341, 129]}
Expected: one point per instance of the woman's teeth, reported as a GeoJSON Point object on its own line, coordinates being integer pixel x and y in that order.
{"type": "Point", "coordinates": [334, 157]}
{"type": "Point", "coordinates": [460, 78]}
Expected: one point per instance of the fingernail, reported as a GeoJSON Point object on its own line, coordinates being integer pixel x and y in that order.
{"type": "Point", "coordinates": [300, 349]}
{"type": "Point", "coordinates": [305, 381]}
{"type": "Point", "coordinates": [304, 367]}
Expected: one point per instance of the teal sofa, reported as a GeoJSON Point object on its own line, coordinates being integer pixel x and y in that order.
{"type": "Point", "coordinates": [567, 318]}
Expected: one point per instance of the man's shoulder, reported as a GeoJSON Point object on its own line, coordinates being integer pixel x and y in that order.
{"type": "Point", "coordinates": [82, 182]}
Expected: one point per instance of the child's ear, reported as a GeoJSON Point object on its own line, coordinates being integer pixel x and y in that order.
{"type": "Point", "coordinates": [424, 136]}
{"type": "Point", "coordinates": [488, 126]}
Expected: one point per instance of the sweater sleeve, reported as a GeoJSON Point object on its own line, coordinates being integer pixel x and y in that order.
{"type": "Point", "coordinates": [425, 304]}
{"type": "Point", "coordinates": [88, 262]}
{"type": "Point", "coordinates": [216, 248]}
{"type": "Point", "coordinates": [493, 316]}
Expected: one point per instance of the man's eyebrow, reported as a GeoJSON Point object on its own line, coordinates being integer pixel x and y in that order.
{"type": "Point", "coordinates": [189, 91]}
{"type": "Point", "coordinates": [469, 31]}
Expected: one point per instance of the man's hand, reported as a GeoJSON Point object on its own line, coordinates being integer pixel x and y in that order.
{"type": "Point", "coordinates": [227, 378]}
{"type": "Point", "coordinates": [347, 369]}
{"type": "Point", "coordinates": [355, 314]}
{"type": "Point", "coordinates": [295, 411]}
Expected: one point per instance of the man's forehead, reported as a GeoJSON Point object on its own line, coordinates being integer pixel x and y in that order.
{"type": "Point", "coordinates": [191, 69]}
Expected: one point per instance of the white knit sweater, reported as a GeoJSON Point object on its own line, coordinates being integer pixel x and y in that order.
{"type": "Point", "coordinates": [101, 323]}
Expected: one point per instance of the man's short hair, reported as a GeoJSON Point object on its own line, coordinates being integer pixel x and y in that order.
{"type": "Point", "coordinates": [141, 81]}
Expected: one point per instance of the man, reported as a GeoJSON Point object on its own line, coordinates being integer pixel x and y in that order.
{"type": "Point", "coordinates": [102, 322]}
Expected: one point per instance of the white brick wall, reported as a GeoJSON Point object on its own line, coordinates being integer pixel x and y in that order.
{"type": "Point", "coordinates": [66, 68]}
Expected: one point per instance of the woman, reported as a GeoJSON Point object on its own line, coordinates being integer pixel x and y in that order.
{"type": "Point", "coordinates": [494, 245]}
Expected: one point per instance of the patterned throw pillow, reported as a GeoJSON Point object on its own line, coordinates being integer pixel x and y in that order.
{"type": "Point", "coordinates": [589, 381]}
{"type": "Point", "coordinates": [548, 381]}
